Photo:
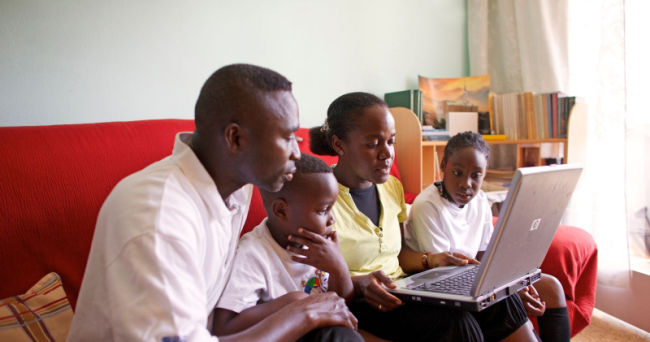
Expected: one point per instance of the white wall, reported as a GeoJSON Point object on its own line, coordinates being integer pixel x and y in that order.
{"type": "Point", "coordinates": [70, 61]}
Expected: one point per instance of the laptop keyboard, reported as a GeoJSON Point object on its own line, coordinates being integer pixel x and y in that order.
{"type": "Point", "coordinates": [459, 284]}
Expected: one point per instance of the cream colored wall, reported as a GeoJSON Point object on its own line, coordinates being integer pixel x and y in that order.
{"type": "Point", "coordinates": [71, 61]}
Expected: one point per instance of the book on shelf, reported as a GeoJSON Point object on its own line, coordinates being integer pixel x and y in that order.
{"type": "Point", "coordinates": [499, 174]}
{"type": "Point", "coordinates": [411, 99]}
{"type": "Point", "coordinates": [554, 114]}
{"type": "Point", "coordinates": [531, 115]}
{"type": "Point", "coordinates": [433, 134]}
{"type": "Point", "coordinates": [492, 137]}
{"type": "Point", "coordinates": [565, 104]}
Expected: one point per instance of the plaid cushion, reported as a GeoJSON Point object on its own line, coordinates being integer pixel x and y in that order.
{"type": "Point", "coordinates": [43, 313]}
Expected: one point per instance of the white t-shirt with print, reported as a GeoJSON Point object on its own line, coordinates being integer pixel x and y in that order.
{"type": "Point", "coordinates": [264, 271]}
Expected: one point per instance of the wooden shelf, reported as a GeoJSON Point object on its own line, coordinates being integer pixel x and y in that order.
{"type": "Point", "coordinates": [503, 142]}
{"type": "Point", "coordinates": [417, 159]}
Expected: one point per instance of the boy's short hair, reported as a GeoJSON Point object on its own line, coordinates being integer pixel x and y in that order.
{"type": "Point", "coordinates": [310, 164]}
{"type": "Point", "coordinates": [305, 165]}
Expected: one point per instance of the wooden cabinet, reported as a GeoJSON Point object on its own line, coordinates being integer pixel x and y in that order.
{"type": "Point", "coordinates": [417, 160]}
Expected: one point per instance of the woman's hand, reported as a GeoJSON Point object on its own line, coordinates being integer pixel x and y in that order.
{"type": "Point", "coordinates": [373, 288]}
{"type": "Point", "coordinates": [449, 259]}
{"type": "Point", "coordinates": [532, 302]}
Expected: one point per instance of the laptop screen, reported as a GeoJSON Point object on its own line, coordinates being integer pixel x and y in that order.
{"type": "Point", "coordinates": [529, 217]}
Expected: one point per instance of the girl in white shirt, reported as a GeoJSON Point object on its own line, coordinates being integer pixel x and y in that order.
{"type": "Point", "coordinates": [454, 216]}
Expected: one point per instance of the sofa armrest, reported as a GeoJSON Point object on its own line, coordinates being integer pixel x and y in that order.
{"type": "Point", "coordinates": [572, 258]}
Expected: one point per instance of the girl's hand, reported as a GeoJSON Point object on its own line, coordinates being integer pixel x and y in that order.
{"type": "Point", "coordinates": [373, 288]}
{"type": "Point", "coordinates": [322, 251]}
{"type": "Point", "coordinates": [533, 304]}
{"type": "Point", "coordinates": [449, 259]}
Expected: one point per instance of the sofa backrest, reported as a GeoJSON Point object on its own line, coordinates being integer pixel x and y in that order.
{"type": "Point", "coordinates": [53, 181]}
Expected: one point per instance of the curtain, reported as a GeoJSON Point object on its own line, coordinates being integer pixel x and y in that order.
{"type": "Point", "coordinates": [597, 73]}
{"type": "Point", "coordinates": [522, 45]}
{"type": "Point", "coordinates": [637, 55]}
{"type": "Point", "coordinates": [576, 47]}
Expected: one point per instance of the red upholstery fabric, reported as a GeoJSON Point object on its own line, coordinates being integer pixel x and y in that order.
{"type": "Point", "coordinates": [53, 180]}
{"type": "Point", "coordinates": [572, 258]}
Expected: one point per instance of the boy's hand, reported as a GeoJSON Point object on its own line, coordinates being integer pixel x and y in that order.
{"type": "Point", "coordinates": [322, 252]}
{"type": "Point", "coordinates": [373, 288]}
{"type": "Point", "coordinates": [449, 259]}
{"type": "Point", "coordinates": [533, 304]}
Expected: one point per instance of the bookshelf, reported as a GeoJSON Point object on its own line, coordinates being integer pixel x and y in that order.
{"type": "Point", "coordinates": [417, 159]}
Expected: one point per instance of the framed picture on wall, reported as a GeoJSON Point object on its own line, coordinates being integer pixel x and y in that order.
{"type": "Point", "coordinates": [443, 95]}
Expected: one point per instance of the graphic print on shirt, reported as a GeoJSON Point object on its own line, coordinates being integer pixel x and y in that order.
{"type": "Point", "coordinates": [317, 283]}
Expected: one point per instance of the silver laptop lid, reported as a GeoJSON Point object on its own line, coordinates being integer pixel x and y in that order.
{"type": "Point", "coordinates": [528, 219]}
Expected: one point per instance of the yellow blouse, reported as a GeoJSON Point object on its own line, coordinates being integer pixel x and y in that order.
{"type": "Point", "coordinates": [366, 247]}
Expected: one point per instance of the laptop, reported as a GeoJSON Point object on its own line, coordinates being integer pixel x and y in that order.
{"type": "Point", "coordinates": [528, 219]}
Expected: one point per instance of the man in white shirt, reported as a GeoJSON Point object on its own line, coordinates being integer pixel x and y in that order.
{"type": "Point", "coordinates": [165, 237]}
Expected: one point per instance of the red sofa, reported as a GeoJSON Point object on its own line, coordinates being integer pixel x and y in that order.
{"type": "Point", "coordinates": [54, 179]}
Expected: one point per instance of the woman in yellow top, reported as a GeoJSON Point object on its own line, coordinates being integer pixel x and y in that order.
{"type": "Point", "coordinates": [370, 213]}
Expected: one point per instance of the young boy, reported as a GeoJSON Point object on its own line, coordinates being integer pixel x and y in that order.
{"type": "Point", "coordinates": [273, 267]}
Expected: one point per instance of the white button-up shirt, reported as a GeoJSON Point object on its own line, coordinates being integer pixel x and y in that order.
{"type": "Point", "coordinates": [161, 254]}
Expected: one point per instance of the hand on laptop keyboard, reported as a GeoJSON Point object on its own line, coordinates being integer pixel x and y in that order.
{"type": "Point", "coordinates": [449, 259]}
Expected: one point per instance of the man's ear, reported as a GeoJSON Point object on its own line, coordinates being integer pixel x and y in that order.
{"type": "Point", "coordinates": [337, 145]}
{"type": "Point", "coordinates": [280, 209]}
{"type": "Point", "coordinates": [235, 137]}
{"type": "Point", "coordinates": [443, 163]}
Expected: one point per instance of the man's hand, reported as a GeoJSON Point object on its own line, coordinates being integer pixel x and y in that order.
{"type": "Point", "coordinates": [325, 309]}
{"type": "Point", "coordinates": [301, 314]}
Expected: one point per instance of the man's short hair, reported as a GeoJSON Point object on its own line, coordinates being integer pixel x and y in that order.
{"type": "Point", "coordinates": [228, 88]}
